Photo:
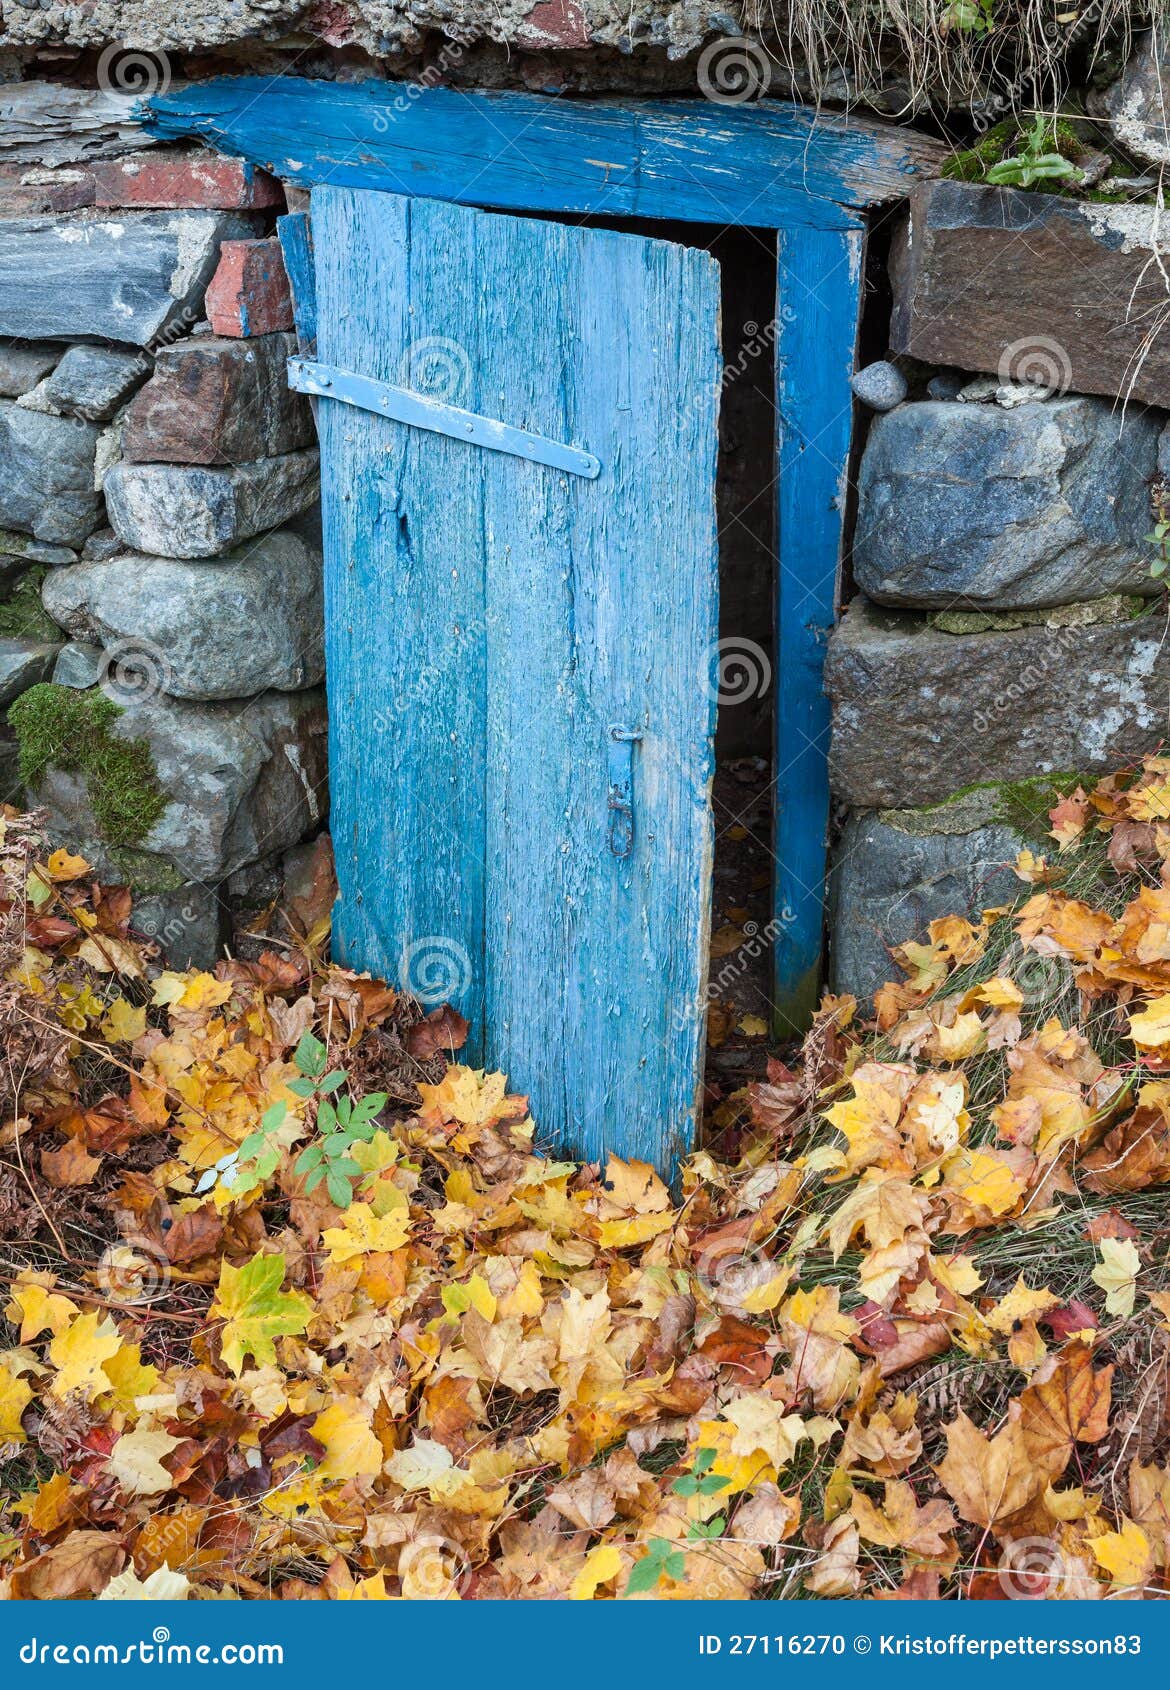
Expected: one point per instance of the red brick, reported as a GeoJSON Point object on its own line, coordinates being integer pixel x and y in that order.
{"type": "Point", "coordinates": [249, 293]}
{"type": "Point", "coordinates": [553, 24]}
{"type": "Point", "coordinates": [183, 180]}
{"type": "Point", "coordinates": [25, 191]}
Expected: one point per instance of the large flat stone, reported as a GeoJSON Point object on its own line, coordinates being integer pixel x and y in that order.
{"type": "Point", "coordinates": [218, 401]}
{"type": "Point", "coordinates": [174, 510]}
{"type": "Point", "coordinates": [22, 664]}
{"type": "Point", "coordinates": [225, 628]}
{"type": "Point", "coordinates": [244, 781]}
{"type": "Point", "coordinates": [127, 277]}
{"type": "Point", "coordinates": [888, 883]}
{"type": "Point", "coordinates": [919, 713]}
{"type": "Point", "coordinates": [1043, 504]}
{"type": "Point", "coordinates": [1035, 287]}
{"type": "Point", "coordinates": [46, 475]}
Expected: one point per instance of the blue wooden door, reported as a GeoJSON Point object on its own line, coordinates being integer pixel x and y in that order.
{"type": "Point", "coordinates": [520, 658]}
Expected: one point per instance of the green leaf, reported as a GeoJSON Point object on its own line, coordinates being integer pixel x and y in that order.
{"type": "Point", "coordinates": [339, 1188]}
{"type": "Point", "coordinates": [688, 1485]}
{"type": "Point", "coordinates": [332, 1081]}
{"type": "Point", "coordinates": [274, 1116]}
{"type": "Point", "coordinates": [252, 1146]}
{"type": "Point", "coordinates": [310, 1055]}
{"type": "Point", "coordinates": [312, 1157]}
{"type": "Point", "coordinates": [326, 1118]}
{"type": "Point", "coordinates": [302, 1088]}
{"type": "Point", "coordinates": [704, 1460]}
{"type": "Point", "coordinates": [712, 1484]}
{"type": "Point", "coordinates": [644, 1575]}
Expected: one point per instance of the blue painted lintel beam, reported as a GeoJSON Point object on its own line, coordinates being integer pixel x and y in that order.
{"type": "Point", "coordinates": [771, 165]}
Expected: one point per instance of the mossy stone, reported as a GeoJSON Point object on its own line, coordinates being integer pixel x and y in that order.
{"type": "Point", "coordinates": [61, 727]}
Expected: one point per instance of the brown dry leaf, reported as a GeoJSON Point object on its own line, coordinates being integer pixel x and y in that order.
{"type": "Point", "coordinates": [82, 1564]}
{"type": "Point", "coordinates": [989, 1479]}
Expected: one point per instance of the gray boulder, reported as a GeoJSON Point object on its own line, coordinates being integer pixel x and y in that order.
{"type": "Point", "coordinates": [177, 510]}
{"type": "Point", "coordinates": [888, 883]}
{"type": "Point", "coordinates": [881, 386]}
{"type": "Point", "coordinates": [22, 366]}
{"type": "Point", "coordinates": [1041, 504]}
{"type": "Point", "coordinates": [1136, 103]}
{"type": "Point", "coordinates": [190, 925]}
{"type": "Point", "coordinates": [22, 664]}
{"type": "Point", "coordinates": [46, 475]}
{"type": "Point", "coordinates": [243, 781]}
{"type": "Point", "coordinates": [919, 713]}
{"type": "Point", "coordinates": [226, 628]}
{"type": "Point", "coordinates": [79, 666]}
{"type": "Point", "coordinates": [90, 381]}
{"type": "Point", "coordinates": [126, 276]}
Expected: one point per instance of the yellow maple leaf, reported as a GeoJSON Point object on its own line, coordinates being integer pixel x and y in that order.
{"type": "Point", "coordinates": [63, 866]}
{"type": "Point", "coordinates": [1019, 1304]}
{"type": "Point", "coordinates": [124, 1021]}
{"type": "Point", "coordinates": [255, 1311]}
{"type": "Point", "coordinates": [1125, 1555]}
{"type": "Point", "coordinates": [635, 1229]}
{"type": "Point", "coordinates": [602, 1565]}
{"type": "Point", "coordinates": [15, 1396]}
{"type": "Point", "coordinates": [475, 1293]}
{"type": "Point", "coordinates": [1150, 1028]}
{"type": "Point", "coordinates": [1117, 1273]}
{"type": "Point", "coordinates": [761, 1299]}
{"type": "Point", "coordinates": [38, 1309]}
{"type": "Point", "coordinates": [193, 991]}
{"type": "Point", "coordinates": [362, 1233]}
{"type": "Point", "coordinates": [78, 1354]}
{"type": "Point", "coordinates": [351, 1449]}
{"type": "Point", "coordinates": [136, 1461]}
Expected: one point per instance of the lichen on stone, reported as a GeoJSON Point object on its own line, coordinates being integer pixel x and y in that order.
{"type": "Point", "coordinates": [70, 730]}
{"type": "Point", "coordinates": [1020, 804]}
{"type": "Point", "coordinates": [1113, 607]}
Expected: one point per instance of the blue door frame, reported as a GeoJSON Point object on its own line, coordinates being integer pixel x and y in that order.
{"type": "Point", "coordinates": [812, 179]}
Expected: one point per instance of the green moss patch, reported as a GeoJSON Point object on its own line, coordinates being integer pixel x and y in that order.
{"type": "Point", "coordinates": [62, 728]}
{"type": "Point", "coordinates": [23, 616]}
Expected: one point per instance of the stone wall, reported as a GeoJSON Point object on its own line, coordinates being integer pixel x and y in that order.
{"type": "Point", "coordinates": [1007, 632]}
{"type": "Point", "coordinates": [161, 641]}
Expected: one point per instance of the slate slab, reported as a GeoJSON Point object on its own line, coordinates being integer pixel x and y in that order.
{"type": "Point", "coordinates": [243, 782]}
{"type": "Point", "coordinates": [1034, 288]}
{"type": "Point", "coordinates": [128, 277]}
{"type": "Point", "coordinates": [22, 664]}
{"type": "Point", "coordinates": [888, 884]}
{"type": "Point", "coordinates": [91, 382]}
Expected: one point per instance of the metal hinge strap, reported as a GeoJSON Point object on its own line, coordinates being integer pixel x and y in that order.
{"type": "Point", "coordinates": [400, 404]}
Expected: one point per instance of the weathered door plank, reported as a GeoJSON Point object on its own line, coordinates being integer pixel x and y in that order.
{"type": "Point", "coordinates": [773, 164]}
{"type": "Point", "coordinates": [817, 310]}
{"type": "Point", "coordinates": [579, 606]}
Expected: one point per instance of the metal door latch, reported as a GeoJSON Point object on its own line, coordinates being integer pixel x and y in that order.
{"type": "Point", "coordinates": [621, 789]}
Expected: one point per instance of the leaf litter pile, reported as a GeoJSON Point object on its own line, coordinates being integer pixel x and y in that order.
{"type": "Point", "coordinates": [298, 1306]}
